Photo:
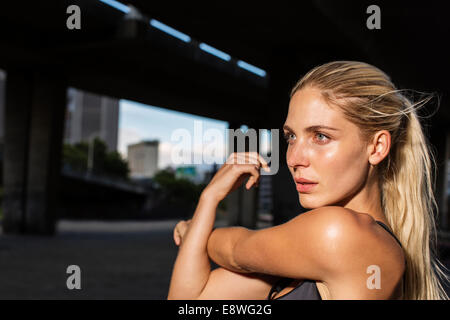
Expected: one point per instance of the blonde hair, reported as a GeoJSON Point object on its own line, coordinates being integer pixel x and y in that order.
{"type": "Point", "coordinates": [369, 99]}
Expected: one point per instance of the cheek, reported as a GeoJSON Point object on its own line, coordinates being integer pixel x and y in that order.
{"type": "Point", "coordinates": [327, 160]}
{"type": "Point", "coordinates": [340, 165]}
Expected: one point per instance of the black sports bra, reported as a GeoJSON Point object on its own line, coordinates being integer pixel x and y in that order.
{"type": "Point", "coordinates": [307, 289]}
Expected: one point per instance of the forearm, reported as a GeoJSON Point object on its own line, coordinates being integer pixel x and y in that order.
{"type": "Point", "coordinates": [222, 244]}
{"type": "Point", "coordinates": [192, 267]}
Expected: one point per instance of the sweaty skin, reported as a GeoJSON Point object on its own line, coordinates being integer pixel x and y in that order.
{"type": "Point", "coordinates": [334, 243]}
{"type": "Point", "coordinates": [338, 159]}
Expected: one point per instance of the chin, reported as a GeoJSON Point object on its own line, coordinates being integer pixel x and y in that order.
{"type": "Point", "coordinates": [308, 203]}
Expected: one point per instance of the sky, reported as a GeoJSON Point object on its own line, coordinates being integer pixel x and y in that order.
{"type": "Point", "coordinates": [138, 122]}
{"type": "Point", "coordinates": [201, 140]}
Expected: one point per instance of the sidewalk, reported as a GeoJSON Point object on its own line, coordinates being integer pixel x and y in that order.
{"type": "Point", "coordinates": [118, 260]}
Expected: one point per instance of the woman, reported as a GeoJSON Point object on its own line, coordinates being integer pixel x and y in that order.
{"type": "Point", "coordinates": [360, 160]}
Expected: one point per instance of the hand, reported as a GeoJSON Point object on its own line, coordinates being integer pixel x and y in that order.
{"type": "Point", "coordinates": [234, 171]}
{"type": "Point", "coordinates": [180, 230]}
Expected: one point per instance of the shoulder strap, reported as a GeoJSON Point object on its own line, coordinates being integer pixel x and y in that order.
{"type": "Point", "coordinates": [279, 285]}
{"type": "Point", "coordinates": [385, 227]}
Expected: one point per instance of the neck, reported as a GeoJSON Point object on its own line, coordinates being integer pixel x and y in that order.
{"type": "Point", "coordinates": [367, 200]}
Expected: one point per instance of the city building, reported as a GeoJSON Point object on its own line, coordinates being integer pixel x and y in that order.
{"type": "Point", "coordinates": [89, 116]}
{"type": "Point", "coordinates": [143, 159]}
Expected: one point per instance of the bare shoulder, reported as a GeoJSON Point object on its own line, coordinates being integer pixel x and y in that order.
{"type": "Point", "coordinates": [347, 235]}
{"type": "Point", "coordinates": [357, 247]}
{"type": "Point", "coordinates": [350, 227]}
{"type": "Point", "coordinates": [333, 223]}
{"type": "Point", "coordinates": [338, 223]}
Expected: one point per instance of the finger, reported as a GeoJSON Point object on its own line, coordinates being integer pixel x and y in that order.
{"type": "Point", "coordinates": [242, 158]}
{"type": "Point", "coordinates": [175, 231]}
{"type": "Point", "coordinates": [255, 175]}
{"type": "Point", "coordinates": [176, 237]}
{"type": "Point", "coordinates": [263, 162]}
{"type": "Point", "coordinates": [253, 157]}
{"type": "Point", "coordinates": [250, 182]}
{"type": "Point", "coordinates": [178, 226]}
{"type": "Point", "coordinates": [246, 158]}
{"type": "Point", "coordinates": [232, 159]}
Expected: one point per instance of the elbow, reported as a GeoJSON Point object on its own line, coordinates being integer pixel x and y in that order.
{"type": "Point", "coordinates": [171, 296]}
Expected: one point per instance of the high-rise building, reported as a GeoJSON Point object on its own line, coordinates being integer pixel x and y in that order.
{"type": "Point", "coordinates": [143, 159]}
{"type": "Point", "coordinates": [91, 115]}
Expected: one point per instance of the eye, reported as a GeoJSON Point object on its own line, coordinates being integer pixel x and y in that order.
{"type": "Point", "coordinates": [287, 136]}
{"type": "Point", "coordinates": [322, 137]}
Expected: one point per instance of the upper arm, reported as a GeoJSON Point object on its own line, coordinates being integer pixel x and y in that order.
{"type": "Point", "coordinates": [313, 245]}
{"type": "Point", "coordinates": [224, 284]}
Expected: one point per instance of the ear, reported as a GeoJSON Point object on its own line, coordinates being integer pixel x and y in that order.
{"type": "Point", "coordinates": [378, 149]}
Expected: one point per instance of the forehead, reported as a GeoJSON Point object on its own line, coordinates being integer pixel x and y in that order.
{"type": "Point", "coordinates": [307, 107]}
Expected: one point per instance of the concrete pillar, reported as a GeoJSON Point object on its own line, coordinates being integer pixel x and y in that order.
{"type": "Point", "coordinates": [34, 118]}
{"type": "Point", "coordinates": [15, 162]}
{"type": "Point", "coordinates": [44, 160]}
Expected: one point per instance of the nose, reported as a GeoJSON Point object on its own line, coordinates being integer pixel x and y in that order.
{"type": "Point", "coordinates": [297, 155]}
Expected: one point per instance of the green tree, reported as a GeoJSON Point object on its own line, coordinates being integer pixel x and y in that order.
{"type": "Point", "coordinates": [180, 190]}
{"type": "Point", "coordinates": [75, 156]}
{"type": "Point", "coordinates": [115, 165]}
{"type": "Point", "coordinates": [104, 162]}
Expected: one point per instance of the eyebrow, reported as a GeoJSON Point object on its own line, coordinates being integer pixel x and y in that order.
{"type": "Point", "coordinates": [311, 128]}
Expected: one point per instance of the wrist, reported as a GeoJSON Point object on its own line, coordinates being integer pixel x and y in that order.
{"type": "Point", "coordinates": [208, 196]}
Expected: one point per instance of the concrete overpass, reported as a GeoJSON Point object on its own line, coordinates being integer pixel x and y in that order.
{"type": "Point", "coordinates": [123, 56]}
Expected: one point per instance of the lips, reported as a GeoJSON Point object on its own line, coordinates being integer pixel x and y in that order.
{"type": "Point", "coordinates": [304, 185]}
{"type": "Point", "coordinates": [303, 180]}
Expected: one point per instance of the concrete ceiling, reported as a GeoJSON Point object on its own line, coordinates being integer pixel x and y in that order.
{"type": "Point", "coordinates": [284, 39]}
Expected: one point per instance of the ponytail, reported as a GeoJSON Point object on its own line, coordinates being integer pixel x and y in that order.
{"type": "Point", "coordinates": [410, 206]}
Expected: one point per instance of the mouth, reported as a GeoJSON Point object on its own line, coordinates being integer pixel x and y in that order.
{"type": "Point", "coordinates": [305, 187]}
